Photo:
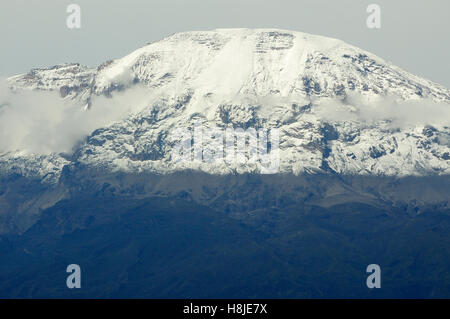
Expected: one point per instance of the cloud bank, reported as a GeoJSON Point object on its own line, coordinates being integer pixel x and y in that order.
{"type": "Point", "coordinates": [42, 122]}
{"type": "Point", "coordinates": [401, 114]}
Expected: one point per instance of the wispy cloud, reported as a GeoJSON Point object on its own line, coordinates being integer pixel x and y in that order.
{"type": "Point", "coordinates": [41, 122]}
{"type": "Point", "coordinates": [401, 114]}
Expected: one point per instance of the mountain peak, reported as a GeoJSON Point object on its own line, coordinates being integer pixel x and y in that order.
{"type": "Point", "coordinates": [258, 62]}
{"type": "Point", "coordinates": [325, 97]}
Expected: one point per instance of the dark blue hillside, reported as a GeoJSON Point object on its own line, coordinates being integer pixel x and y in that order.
{"type": "Point", "coordinates": [168, 247]}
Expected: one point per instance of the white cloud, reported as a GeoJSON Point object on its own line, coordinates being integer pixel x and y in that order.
{"type": "Point", "coordinates": [41, 122]}
{"type": "Point", "coordinates": [372, 109]}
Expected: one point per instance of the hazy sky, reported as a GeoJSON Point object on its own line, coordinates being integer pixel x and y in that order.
{"type": "Point", "coordinates": [414, 34]}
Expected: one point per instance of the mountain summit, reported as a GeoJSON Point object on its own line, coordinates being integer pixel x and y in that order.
{"type": "Point", "coordinates": [338, 109]}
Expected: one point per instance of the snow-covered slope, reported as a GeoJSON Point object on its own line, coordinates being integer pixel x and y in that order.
{"type": "Point", "coordinates": [311, 88]}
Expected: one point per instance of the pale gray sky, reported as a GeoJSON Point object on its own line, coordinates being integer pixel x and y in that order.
{"type": "Point", "coordinates": [414, 34]}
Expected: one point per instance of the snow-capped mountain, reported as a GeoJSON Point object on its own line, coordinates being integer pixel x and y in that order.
{"type": "Point", "coordinates": [88, 173]}
{"type": "Point", "coordinates": [314, 90]}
